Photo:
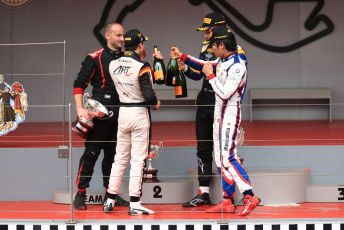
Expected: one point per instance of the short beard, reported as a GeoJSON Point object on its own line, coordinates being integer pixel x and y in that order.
{"type": "Point", "coordinates": [117, 45]}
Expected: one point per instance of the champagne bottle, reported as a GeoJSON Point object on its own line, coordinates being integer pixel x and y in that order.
{"type": "Point", "coordinates": [172, 72]}
{"type": "Point", "coordinates": [180, 88]}
{"type": "Point", "coordinates": [159, 69]}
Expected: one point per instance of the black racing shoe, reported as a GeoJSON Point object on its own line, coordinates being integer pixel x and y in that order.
{"type": "Point", "coordinates": [120, 202]}
{"type": "Point", "coordinates": [80, 201]}
{"type": "Point", "coordinates": [200, 199]}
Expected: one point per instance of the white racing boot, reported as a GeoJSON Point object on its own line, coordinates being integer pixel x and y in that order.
{"type": "Point", "coordinates": [136, 208]}
{"type": "Point", "coordinates": [108, 205]}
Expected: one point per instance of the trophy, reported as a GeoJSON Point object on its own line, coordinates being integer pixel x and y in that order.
{"type": "Point", "coordinates": [240, 141]}
{"type": "Point", "coordinates": [83, 125]}
{"type": "Point", "coordinates": [241, 136]}
{"type": "Point", "coordinates": [149, 172]}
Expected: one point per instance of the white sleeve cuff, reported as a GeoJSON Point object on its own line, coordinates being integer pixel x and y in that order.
{"type": "Point", "coordinates": [186, 68]}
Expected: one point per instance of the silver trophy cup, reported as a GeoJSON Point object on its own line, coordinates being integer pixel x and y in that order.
{"type": "Point", "coordinates": [83, 125]}
{"type": "Point", "coordinates": [150, 174]}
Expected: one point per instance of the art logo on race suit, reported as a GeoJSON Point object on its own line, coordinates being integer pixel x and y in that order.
{"type": "Point", "coordinates": [13, 105]}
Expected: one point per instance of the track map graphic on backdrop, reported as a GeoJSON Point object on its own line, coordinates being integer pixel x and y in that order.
{"type": "Point", "coordinates": [224, 7]}
{"type": "Point", "coordinates": [13, 105]}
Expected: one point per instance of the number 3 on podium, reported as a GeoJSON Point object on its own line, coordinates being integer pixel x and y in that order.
{"type": "Point", "coordinates": [341, 193]}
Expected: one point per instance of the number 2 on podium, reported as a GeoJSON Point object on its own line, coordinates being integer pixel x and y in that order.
{"type": "Point", "coordinates": [157, 191]}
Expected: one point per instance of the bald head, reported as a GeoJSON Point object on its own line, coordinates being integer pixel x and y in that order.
{"type": "Point", "coordinates": [114, 35]}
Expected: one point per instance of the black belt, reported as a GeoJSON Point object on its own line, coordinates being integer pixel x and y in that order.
{"type": "Point", "coordinates": [138, 104]}
{"type": "Point", "coordinates": [102, 94]}
{"type": "Point", "coordinates": [208, 90]}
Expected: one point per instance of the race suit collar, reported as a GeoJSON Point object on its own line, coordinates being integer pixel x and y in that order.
{"type": "Point", "coordinates": [132, 54]}
{"type": "Point", "coordinates": [113, 52]}
{"type": "Point", "coordinates": [228, 57]}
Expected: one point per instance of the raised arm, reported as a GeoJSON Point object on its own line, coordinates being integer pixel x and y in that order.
{"type": "Point", "coordinates": [191, 61]}
{"type": "Point", "coordinates": [189, 72]}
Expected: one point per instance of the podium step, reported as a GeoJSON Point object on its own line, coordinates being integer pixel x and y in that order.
{"type": "Point", "coordinates": [325, 193]}
{"type": "Point", "coordinates": [168, 191]}
{"type": "Point", "coordinates": [274, 187]}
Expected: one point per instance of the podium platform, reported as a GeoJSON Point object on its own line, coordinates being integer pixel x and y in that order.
{"type": "Point", "coordinates": [274, 187]}
{"type": "Point", "coordinates": [325, 193]}
{"type": "Point", "coordinates": [34, 209]}
{"type": "Point", "coordinates": [168, 191]}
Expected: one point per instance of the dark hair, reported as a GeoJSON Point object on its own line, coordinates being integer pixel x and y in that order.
{"type": "Point", "coordinates": [229, 43]}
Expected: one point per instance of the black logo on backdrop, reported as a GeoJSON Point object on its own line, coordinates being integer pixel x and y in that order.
{"type": "Point", "coordinates": [225, 8]}
{"type": "Point", "coordinates": [105, 15]}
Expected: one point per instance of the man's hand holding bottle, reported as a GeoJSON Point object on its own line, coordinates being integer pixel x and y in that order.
{"type": "Point", "coordinates": [159, 67]}
{"type": "Point", "coordinates": [175, 52]}
{"type": "Point", "coordinates": [158, 55]}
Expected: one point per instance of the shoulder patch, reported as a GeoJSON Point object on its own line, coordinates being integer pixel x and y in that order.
{"type": "Point", "coordinates": [237, 69]}
{"type": "Point", "coordinates": [241, 50]}
{"type": "Point", "coordinates": [145, 69]}
{"type": "Point", "coordinates": [96, 53]}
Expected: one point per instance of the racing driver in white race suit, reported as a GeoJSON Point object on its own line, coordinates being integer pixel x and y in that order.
{"type": "Point", "coordinates": [134, 84]}
{"type": "Point", "coordinates": [229, 84]}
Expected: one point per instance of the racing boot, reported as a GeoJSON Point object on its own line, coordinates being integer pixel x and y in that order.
{"type": "Point", "coordinates": [250, 203]}
{"type": "Point", "coordinates": [198, 200]}
{"type": "Point", "coordinates": [136, 209]}
{"type": "Point", "coordinates": [108, 205]}
{"type": "Point", "coordinates": [120, 202]}
{"type": "Point", "coordinates": [80, 201]}
{"type": "Point", "coordinates": [226, 205]}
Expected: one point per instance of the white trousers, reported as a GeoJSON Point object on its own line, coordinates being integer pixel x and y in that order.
{"type": "Point", "coordinates": [225, 130]}
{"type": "Point", "coordinates": [132, 145]}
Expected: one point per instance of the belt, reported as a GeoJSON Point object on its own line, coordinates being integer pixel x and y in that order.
{"type": "Point", "coordinates": [138, 104]}
{"type": "Point", "coordinates": [208, 90]}
{"type": "Point", "coordinates": [104, 94]}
